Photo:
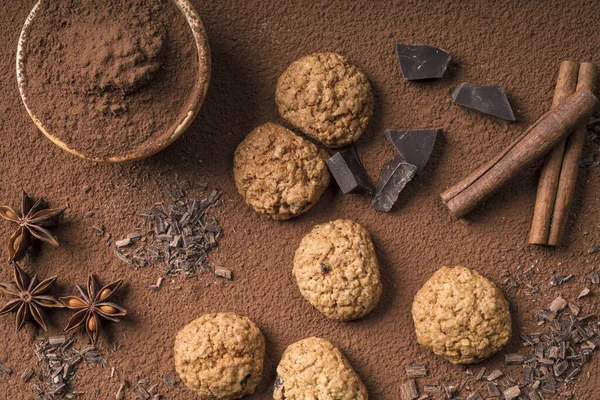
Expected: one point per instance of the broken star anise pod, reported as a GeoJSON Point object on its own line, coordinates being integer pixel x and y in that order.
{"type": "Point", "coordinates": [29, 297]}
{"type": "Point", "coordinates": [93, 305]}
{"type": "Point", "coordinates": [33, 220]}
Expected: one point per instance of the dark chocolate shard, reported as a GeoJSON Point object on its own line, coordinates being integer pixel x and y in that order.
{"type": "Point", "coordinates": [419, 61]}
{"type": "Point", "coordinates": [414, 146]}
{"type": "Point", "coordinates": [488, 99]}
{"type": "Point", "coordinates": [349, 173]}
{"type": "Point", "coordinates": [395, 174]}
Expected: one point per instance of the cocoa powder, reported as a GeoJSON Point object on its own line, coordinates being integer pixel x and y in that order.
{"type": "Point", "coordinates": [109, 77]}
{"type": "Point", "coordinates": [516, 44]}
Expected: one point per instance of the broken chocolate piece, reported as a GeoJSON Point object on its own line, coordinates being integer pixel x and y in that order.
{"type": "Point", "coordinates": [414, 146]}
{"type": "Point", "coordinates": [394, 176]}
{"type": "Point", "coordinates": [349, 173]}
{"type": "Point", "coordinates": [419, 61]}
{"type": "Point", "coordinates": [487, 99]}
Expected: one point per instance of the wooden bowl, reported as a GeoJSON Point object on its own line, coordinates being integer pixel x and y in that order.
{"type": "Point", "coordinates": [183, 122]}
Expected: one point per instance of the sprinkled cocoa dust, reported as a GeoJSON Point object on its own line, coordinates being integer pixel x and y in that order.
{"type": "Point", "coordinates": [516, 44]}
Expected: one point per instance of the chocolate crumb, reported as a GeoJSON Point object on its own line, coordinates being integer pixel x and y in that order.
{"type": "Point", "coordinates": [480, 374]}
{"type": "Point", "coordinates": [584, 292]}
{"type": "Point", "coordinates": [432, 388]}
{"type": "Point", "coordinates": [493, 390]}
{"type": "Point", "coordinates": [5, 369]}
{"type": "Point", "coordinates": [27, 374]}
{"type": "Point", "coordinates": [408, 391]}
{"type": "Point", "coordinates": [416, 371]}
{"type": "Point", "coordinates": [513, 359]}
{"type": "Point", "coordinates": [224, 273]}
{"type": "Point", "coordinates": [169, 380]}
{"type": "Point", "coordinates": [496, 374]}
{"type": "Point", "coordinates": [511, 393]}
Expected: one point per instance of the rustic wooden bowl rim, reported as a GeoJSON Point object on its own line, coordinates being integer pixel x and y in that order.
{"type": "Point", "coordinates": [200, 88]}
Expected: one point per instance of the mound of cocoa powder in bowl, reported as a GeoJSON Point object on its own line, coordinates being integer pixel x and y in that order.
{"type": "Point", "coordinates": [110, 77]}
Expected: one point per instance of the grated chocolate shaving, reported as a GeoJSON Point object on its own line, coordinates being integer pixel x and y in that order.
{"type": "Point", "coordinates": [177, 236]}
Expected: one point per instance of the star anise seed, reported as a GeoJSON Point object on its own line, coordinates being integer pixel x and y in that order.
{"type": "Point", "coordinates": [91, 306]}
{"type": "Point", "coordinates": [33, 220]}
{"type": "Point", "coordinates": [29, 297]}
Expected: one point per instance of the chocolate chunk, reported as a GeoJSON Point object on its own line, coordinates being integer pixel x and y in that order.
{"type": "Point", "coordinates": [414, 146]}
{"type": "Point", "coordinates": [487, 99]}
{"type": "Point", "coordinates": [394, 176]}
{"type": "Point", "coordinates": [349, 173]}
{"type": "Point", "coordinates": [419, 61]}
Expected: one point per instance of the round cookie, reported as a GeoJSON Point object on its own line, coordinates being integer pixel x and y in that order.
{"type": "Point", "coordinates": [326, 97]}
{"type": "Point", "coordinates": [279, 173]}
{"type": "Point", "coordinates": [220, 356]}
{"type": "Point", "coordinates": [336, 269]}
{"type": "Point", "coordinates": [314, 368]}
{"type": "Point", "coordinates": [461, 315]}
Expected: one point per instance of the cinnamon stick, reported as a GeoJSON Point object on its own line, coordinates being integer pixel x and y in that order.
{"type": "Point", "coordinates": [566, 84]}
{"type": "Point", "coordinates": [532, 145]}
{"type": "Point", "coordinates": [570, 165]}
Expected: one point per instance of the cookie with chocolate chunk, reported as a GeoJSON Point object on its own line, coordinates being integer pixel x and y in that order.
{"type": "Point", "coordinates": [337, 271]}
{"type": "Point", "coordinates": [279, 173]}
{"type": "Point", "coordinates": [314, 368]}
{"type": "Point", "coordinates": [220, 356]}
{"type": "Point", "coordinates": [326, 97]}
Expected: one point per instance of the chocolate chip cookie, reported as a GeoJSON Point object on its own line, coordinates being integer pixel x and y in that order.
{"type": "Point", "coordinates": [326, 97]}
{"type": "Point", "coordinates": [279, 173]}
{"type": "Point", "coordinates": [314, 368]}
{"type": "Point", "coordinates": [461, 315]}
{"type": "Point", "coordinates": [336, 269]}
{"type": "Point", "coordinates": [220, 356]}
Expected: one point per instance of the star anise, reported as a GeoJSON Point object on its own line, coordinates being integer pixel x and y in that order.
{"type": "Point", "coordinates": [91, 305]}
{"type": "Point", "coordinates": [29, 297]}
{"type": "Point", "coordinates": [33, 220]}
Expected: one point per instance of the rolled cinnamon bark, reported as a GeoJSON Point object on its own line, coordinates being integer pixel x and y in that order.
{"type": "Point", "coordinates": [566, 84]}
{"type": "Point", "coordinates": [532, 145]}
{"type": "Point", "coordinates": [570, 165]}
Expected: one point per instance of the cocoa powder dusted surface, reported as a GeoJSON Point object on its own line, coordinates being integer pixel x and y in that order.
{"type": "Point", "coordinates": [517, 45]}
{"type": "Point", "coordinates": [110, 77]}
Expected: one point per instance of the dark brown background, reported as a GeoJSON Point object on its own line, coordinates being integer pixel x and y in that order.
{"type": "Point", "coordinates": [515, 44]}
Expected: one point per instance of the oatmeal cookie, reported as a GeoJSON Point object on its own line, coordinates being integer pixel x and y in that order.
{"type": "Point", "coordinates": [337, 271]}
{"type": "Point", "coordinates": [220, 356]}
{"type": "Point", "coordinates": [314, 368]}
{"type": "Point", "coordinates": [326, 97]}
{"type": "Point", "coordinates": [279, 173]}
{"type": "Point", "coordinates": [461, 315]}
